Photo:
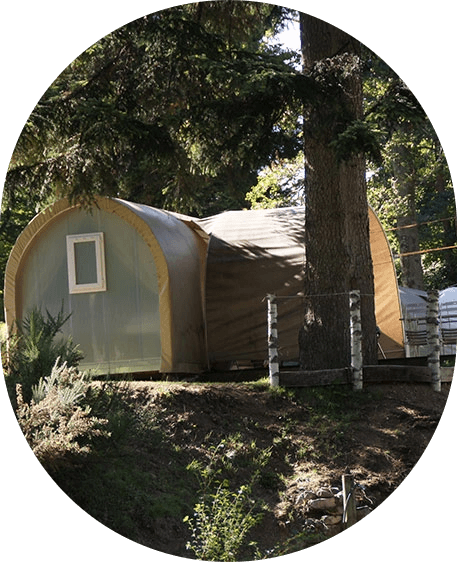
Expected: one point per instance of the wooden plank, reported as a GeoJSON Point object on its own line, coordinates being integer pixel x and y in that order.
{"type": "Point", "coordinates": [372, 374]}
{"type": "Point", "coordinates": [315, 378]}
{"type": "Point", "coordinates": [403, 373]}
{"type": "Point", "coordinates": [396, 373]}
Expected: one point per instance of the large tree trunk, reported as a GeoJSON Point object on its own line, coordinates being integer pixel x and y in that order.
{"type": "Point", "coordinates": [408, 232]}
{"type": "Point", "coordinates": [338, 256]}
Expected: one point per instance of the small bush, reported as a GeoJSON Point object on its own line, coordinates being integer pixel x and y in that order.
{"type": "Point", "coordinates": [221, 523]}
{"type": "Point", "coordinates": [34, 350]}
{"type": "Point", "coordinates": [224, 517]}
{"type": "Point", "coordinates": [57, 424]}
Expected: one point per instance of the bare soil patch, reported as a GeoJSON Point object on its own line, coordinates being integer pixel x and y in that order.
{"type": "Point", "coordinates": [313, 435]}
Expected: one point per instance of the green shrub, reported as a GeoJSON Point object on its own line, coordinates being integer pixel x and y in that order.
{"type": "Point", "coordinates": [221, 523]}
{"type": "Point", "coordinates": [34, 350]}
{"type": "Point", "coordinates": [50, 396]}
{"type": "Point", "coordinates": [223, 517]}
{"type": "Point", "coordinates": [57, 423]}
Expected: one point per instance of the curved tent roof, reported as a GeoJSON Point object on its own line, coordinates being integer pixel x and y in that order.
{"type": "Point", "coordinates": [410, 296]}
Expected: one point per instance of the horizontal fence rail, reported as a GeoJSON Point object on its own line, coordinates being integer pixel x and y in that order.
{"type": "Point", "coordinates": [357, 374]}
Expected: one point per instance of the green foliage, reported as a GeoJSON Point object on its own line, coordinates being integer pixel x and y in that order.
{"type": "Point", "coordinates": [223, 517]}
{"type": "Point", "coordinates": [393, 104]}
{"type": "Point", "coordinates": [409, 175]}
{"type": "Point", "coordinates": [48, 392]}
{"type": "Point", "coordinates": [165, 110]}
{"type": "Point", "coordinates": [221, 523]}
{"type": "Point", "coordinates": [413, 180]}
{"type": "Point", "coordinates": [279, 185]}
{"type": "Point", "coordinates": [57, 424]}
{"type": "Point", "coordinates": [181, 109]}
{"type": "Point", "coordinates": [357, 137]}
{"type": "Point", "coordinates": [34, 350]}
{"type": "Point", "coordinates": [71, 385]}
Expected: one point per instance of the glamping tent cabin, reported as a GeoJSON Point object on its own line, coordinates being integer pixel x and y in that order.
{"type": "Point", "coordinates": [150, 290]}
{"type": "Point", "coordinates": [131, 276]}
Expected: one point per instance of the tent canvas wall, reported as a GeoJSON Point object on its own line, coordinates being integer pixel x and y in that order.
{"type": "Point", "coordinates": [150, 290]}
{"type": "Point", "coordinates": [253, 253]}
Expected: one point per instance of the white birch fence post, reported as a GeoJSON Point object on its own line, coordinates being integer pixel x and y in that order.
{"type": "Point", "coordinates": [273, 356]}
{"type": "Point", "coordinates": [433, 339]}
{"type": "Point", "coordinates": [356, 340]}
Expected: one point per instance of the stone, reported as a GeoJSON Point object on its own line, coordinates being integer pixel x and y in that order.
{"type": "Point", "coordinates": [323, 504]}
{"type": "Point", "coordinates": [324, 493]}
{"type": "Point", "coordinates": [331, 519]}
{"type": "Point", "coordinates": [305, 496]}
{"type": "Point", "coordinates": [337, 510]}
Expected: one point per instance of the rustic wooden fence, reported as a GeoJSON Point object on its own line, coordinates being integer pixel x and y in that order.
{"type": "Point", "coordinates": [357, 374]}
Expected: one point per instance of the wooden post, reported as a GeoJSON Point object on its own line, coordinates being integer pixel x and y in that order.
{"type": "Point", "coordinates": [273, 357]}
{"type": "Point", "coordinates": [433, 339]}
{"type": "Point", "coordinates": [349, 505]}
{"type": "Point", "coordinates": [356, 340]}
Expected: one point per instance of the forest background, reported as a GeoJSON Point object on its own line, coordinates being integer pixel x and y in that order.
{"type": "Point", "coordinates": [199, 111]}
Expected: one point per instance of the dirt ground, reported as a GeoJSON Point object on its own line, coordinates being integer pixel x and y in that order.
{"type": "Point", "coordinates": [314, 435]}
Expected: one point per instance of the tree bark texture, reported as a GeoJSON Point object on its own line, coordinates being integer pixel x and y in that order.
{"type": "Point", "coordinates": [338, 255]}
{"type": "Point", "coordinates": [408, 232]}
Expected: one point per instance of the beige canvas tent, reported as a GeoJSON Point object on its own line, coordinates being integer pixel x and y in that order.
{"type": "Point", "coordinates": [253, 253]}
{"type": "Point", "coordinates": [150, 290]}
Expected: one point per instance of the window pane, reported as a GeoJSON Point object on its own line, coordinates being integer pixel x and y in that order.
{"type": "Point", "coordinates": [85, 263]}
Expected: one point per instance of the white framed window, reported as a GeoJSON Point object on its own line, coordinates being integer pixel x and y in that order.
{"type": "Point", "coordinates": [86, 263]}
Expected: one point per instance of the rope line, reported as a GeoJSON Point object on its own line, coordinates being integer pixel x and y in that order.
{"type": "Point", "coordinates": [396, 256]}
{"type": "Point", "coordinates": [319, 295]}
{"type": "Point", "coordinates": [418, 224]}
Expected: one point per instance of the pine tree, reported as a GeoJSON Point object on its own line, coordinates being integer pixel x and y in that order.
{"type": "Point", "coordinates": [177, 110]}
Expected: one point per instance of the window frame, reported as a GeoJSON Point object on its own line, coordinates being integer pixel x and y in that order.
{"type": "Point", "coordinates": [100, 284]}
